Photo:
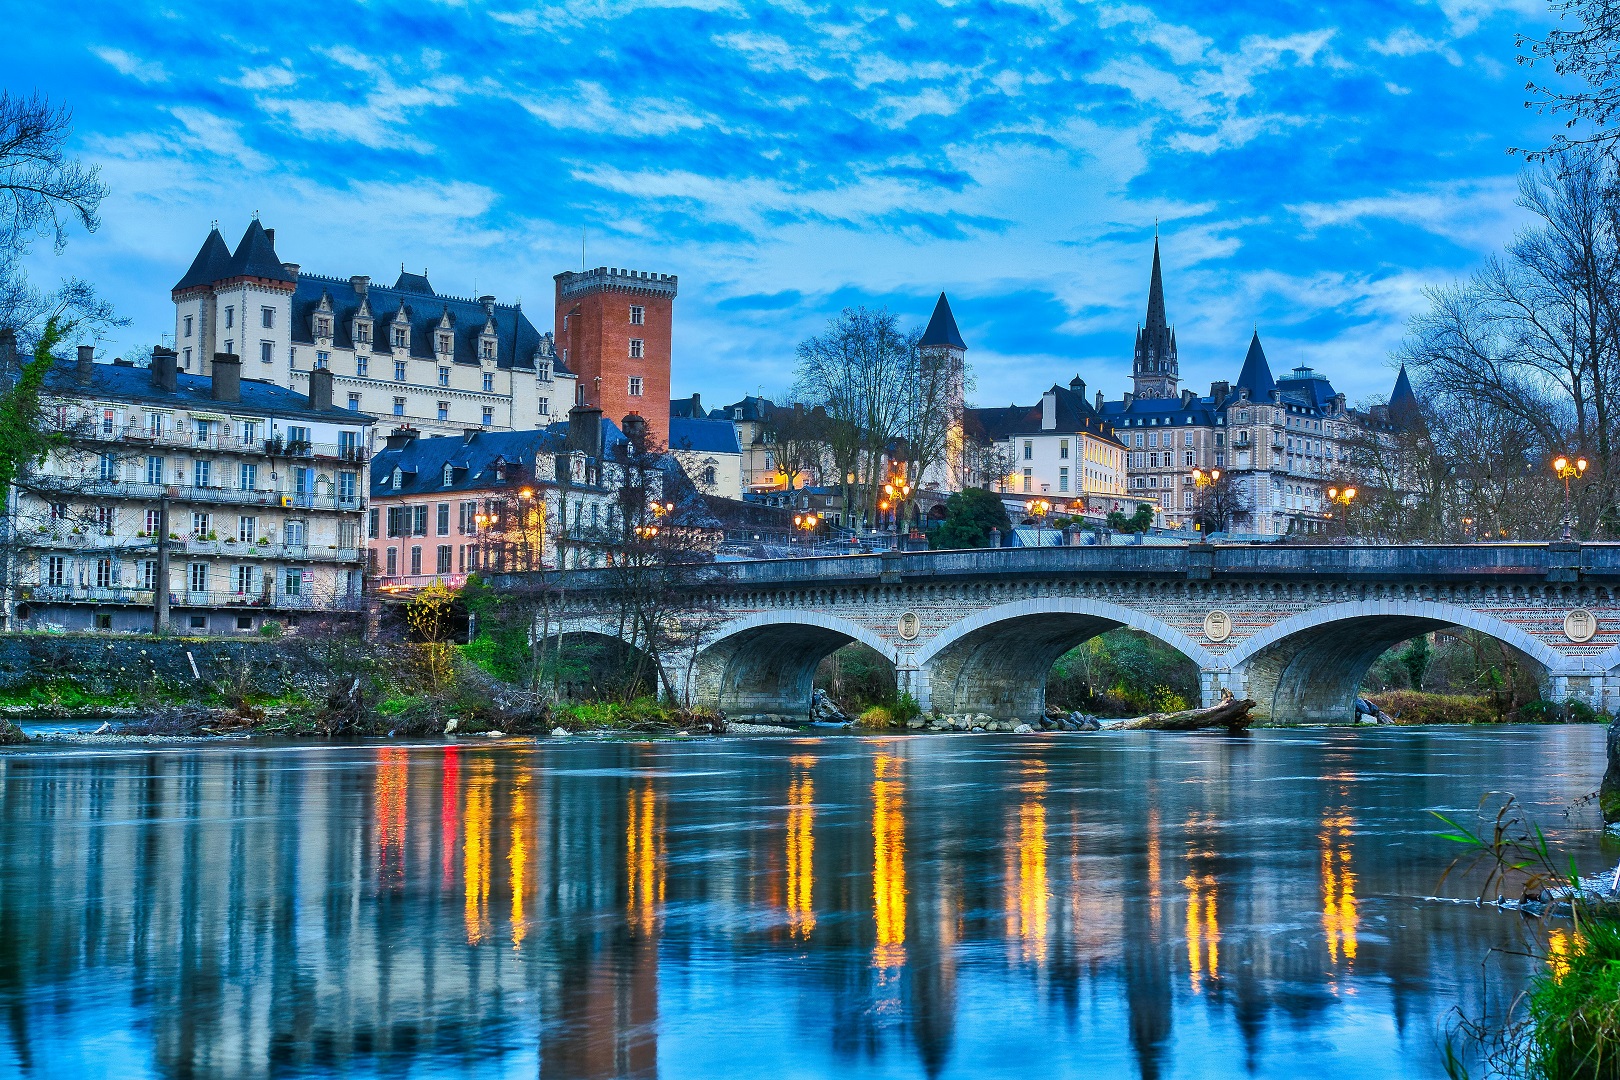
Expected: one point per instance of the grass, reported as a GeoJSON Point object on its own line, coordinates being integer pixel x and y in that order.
{"type": "Point", "coordinates": [1574, 1007]}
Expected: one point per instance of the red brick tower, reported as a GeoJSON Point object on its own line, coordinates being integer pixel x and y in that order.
{"type": "Point", "coordinates": [613, 330]}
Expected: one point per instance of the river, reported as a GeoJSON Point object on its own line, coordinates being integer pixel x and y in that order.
{"type": "Point", "coordinates": [1117, 904]}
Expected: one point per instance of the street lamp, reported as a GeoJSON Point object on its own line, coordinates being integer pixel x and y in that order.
{"type": "Point", "coordinates": [807, 522]}
{"type": "Point", "coordinates": [1343, 498]}
{"type": "Point", "coordinates": [1567, 472]}
{"type": "Point", "coordinates": [1038, 509]}
{"type": "Point", "coordinates": [1202, 480]}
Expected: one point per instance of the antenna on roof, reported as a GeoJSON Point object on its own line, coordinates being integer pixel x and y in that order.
{"type": "Point", "coordinates": [255, 215]}
{"type": "Point", "coordinates": [214, 224]}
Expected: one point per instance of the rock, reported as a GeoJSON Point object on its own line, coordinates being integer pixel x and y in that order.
{"type": "Point", "coordinates": [978, 729]}
{"type": "Point", "coordinates": [450, 725]}
{"type": "Point", "coordinates": [1090, 723]}
{"type": "Point", "coordinates": [496, 734]}
{"type": "Point", "coordinates": [559, 731]}
{"type": "Point", "coordinates": [105, 727]}
{"type": "Point", "coordinates": [915, 722]}
{"type": "Point", "coordinates": [1023, 729]}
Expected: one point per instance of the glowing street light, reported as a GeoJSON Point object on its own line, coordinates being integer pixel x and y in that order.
{"type": "Point", "coordinates": [1038, 509]}
{"type": "Point", "coordinates": [1567, 472]}
{"type": "Point", "coordinates": [1343, 498]}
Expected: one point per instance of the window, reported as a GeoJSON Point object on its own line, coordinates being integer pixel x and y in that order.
{"type": "Point", "coordinates": [446, 343]}
{"type": "Point", "coordinates": [199, 622]}
{"type": "Point", "coordinates": [635, 386]}
{"type": "Point", "coordinates": [323, 326]}
{"type": "Point", "coordinates": [371, 523]}
{"type": "Point", "coordinates": [295, 533]}
{"type": "Point", "coordinates": [401, 337]}
{"type": "Point", "coordinates": [1220, 438]}
{"type": "Point", "coordinates": [322, 359]}
{"type": "Point", "coordinates": [104, 573]}
{"type": "Point", "coordinates": [399, 406]}
{"type": "Point", "coordinates": [1153, 438]}
{"type": "Point", "coordinates": [188, 334]}
{"type": "Point", "coordinates": [267, 318]}
{"type": "Point", "coordinates": [362, 332]}
{"type": "Point", "coordinates": [443, 515]}
{"type": "Point", "coordinates": [543, 371]}
{"type": "Point", "coordinates": [1186, 500]}
{"type": "Point", "coordinates": [489, 416]}
{"type": "Point", "coordinates": [267, 352]}
{"type": "Point", "coordinates": [244, 584]}
{"type": "Point", "coordinates": [199, 524]}
{"type": "Point", "coordinates": [292, 582]}
{"type": "Point", "coordinates": [709, 476]}
{"type": "Point", "coordinates": [109, 467]}
{"type": "Point", "coordinates": [444, 410]}
{"type": "Point", "coordinates": [230, 346]}
{"type": "Point", "coordinates": [247, 528]}
{"type": "Point", "coordinates": [55, 570]}
{"type": "Point", "coordinates": [347, 482]}
{"type": "Point", "coordinates": [468, 522]}
{"type": "Point", "coordinates": [203, 429]}
{"type": "Point", "coordinates": [108, 421]}
{"type": "Point", "coordinates": [399, 371]}
{"type": "Point", "coordinates": [362, 367]}
{"type": "Point", "coordinates": [154, 522]}
{"type": "Point", "coordinates": [1063, 479]}
{"type": "Point", "coordinates": [247, 477]}
{"type": "Point", "coordinates": [545, 406]}
{"type": "Point", "coordinates": [186, 360]}
{"type": "Point", "coordinates": [1029, 450]}
{"type": "Point", "coordinates": [1186, 438]}
{"type": "Point", "coordinates": [1188, 457]}
{"type": "Point", "coordinates": [230, 317]}
{"type": "Point", "coordinates": [489, 382]}
{"type": "Point", "coordinates": [354, 402]}
{"type": "Point", "coordinates": [149, 569]}
{"type": "Point", "coordinates": [486, 349]}
{"type": "Point", "coordinates": [637, 348]}
{"type": "Point", "coordinates": [1029, 480]}
{"type": "Point", "coordinates": [638, 315]}
{"type": "Point", "coordinates": [244, 622]}
{"type": "Point", "coordinates": [1220, 459]}
{"type": "Point", "coordinates": [303, 481]}
{"type": "Point", "coordinates": [444, 558]}
{"type": "Point", "coordinates": [154, 470]}
{"type": "Point", "coordinates": [416, 560]}
{"type": "Point", "coordinates": [398, 520]}
{"type": "Point", "coordinates": [444, 376]}
{"type": "Point", "coordinates": [1139, 442]}
{"type": "Point", "coordinates": [419, 520]}
{"type": "Point", "coordinates": [1063, 449]}
{"type": "Point", "coordinates": [205, 474]}
{"type": "Point", "coordinates": [393, 561]}
{"type": "Point", "coordinates": [250, 432]}
{"type": "Point", "coordinates": [106, 519]}
{"type": "Point", "coordinates": [197, 576]}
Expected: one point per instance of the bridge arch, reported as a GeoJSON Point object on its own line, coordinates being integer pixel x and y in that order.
{"type": "Point", "coordinates": [996, 661]}
{"type": "Point", "coordinates": [1309, 666]}
{"type": "Point", "coordinates": [766, 662]}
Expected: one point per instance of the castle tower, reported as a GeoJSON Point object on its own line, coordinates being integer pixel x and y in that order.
{"type": "Point", "coordinates": [1156, 371]}
{"type": "Point", "coordinates": [943, 341]}
{"type": "Point", "coordinates": [614, 330]}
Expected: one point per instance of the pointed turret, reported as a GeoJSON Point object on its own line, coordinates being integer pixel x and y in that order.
{"type": "Point", "coordinates": [1403, 403]}
{"type": "Point", "coordinates": [942, 327]}
{"type": "Point", "coordinates": [256, 256]}
{"type": "Point", "coordinates": [212, 263]}
{"type": "Point", "coordinates": [1157, 369]}
{"type": "Point", "coordinates": [1256, 374]}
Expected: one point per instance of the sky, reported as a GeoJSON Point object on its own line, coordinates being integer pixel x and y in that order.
{"type": "Point", "coordinates": [1310, 168]}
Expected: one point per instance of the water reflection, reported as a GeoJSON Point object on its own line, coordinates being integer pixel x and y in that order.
{"type": "Point", "coordinates": [950, 907]}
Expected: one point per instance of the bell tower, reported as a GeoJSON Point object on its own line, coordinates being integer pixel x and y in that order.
{"type": "Point", "coordinates": [1156, 371]}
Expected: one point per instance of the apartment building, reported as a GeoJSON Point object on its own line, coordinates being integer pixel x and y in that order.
{"type": "Point", "coordinates": [1062, 450]}
{"type": "Point", "coordinates": [207, 504]}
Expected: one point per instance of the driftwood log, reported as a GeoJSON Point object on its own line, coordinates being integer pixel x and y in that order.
{"type": "Point", "coordinates": [1231, 714]}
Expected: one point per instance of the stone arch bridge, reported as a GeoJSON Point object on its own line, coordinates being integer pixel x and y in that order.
{"type": "Point", "coordinates": [1295, 627]}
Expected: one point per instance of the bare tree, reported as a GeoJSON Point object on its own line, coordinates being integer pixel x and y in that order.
{"type": "Point", "coordinates": [1584, 50]}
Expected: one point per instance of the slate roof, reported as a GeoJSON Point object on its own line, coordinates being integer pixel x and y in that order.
{"type": "Point", "coordinates": [471, 459]}
{"type": "Point", "coordinates": [1312, 390]}
{"type": "Point", "coordinates": [1073, 416]}
{"type": "Point", "coordinates": [1256, 373]}
{"type": "Point", "coordinates": [758, 409]}
{"type": "Point", "coordinates": [1403, 403]}
{"type": "Point", "coordinates": [517, 340]}
{"type": "Point", "coordinates": [213, 263]}
{"type": "Point", "coordinates": [942, 327]}
{"type": "Point", "coordinates": [255, 256]}
{"type": "Point", "coordinates": [703, 436]}
{"type": "Point", "coordinates": [115, 382]}
{"type": "Point", "coordinates": [1159, 412]}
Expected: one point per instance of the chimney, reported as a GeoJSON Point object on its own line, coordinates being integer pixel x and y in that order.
{"type": "Point", "coordinates": [1128, 397]}
{"type": "Point", "coordinates": [468, 434]}
{"type": "Point", "coordinates": [1187, 398]}
{"type": "Point", "coordinates": [635, 429]}
{"type": "Point", "coordinates": [320, 389]}
{"type": "Point", "coordinates": [227, 381]}
{"type": "Point", "coordinates": [697, 406]}
{"type": "Point", "coordinates": [585, 430]}
{"type": "Point", "coordinates": [291, 268]}
{"type": "Point", "coordinates": [1048, 411]}
{"type": "Point", "coordinates": [400, 438]}
{"type": "Point", "coordinates": [1099, 401]}
{"type": "Point", "coordinates": [164, 373]}
{"type": "Point", "coordinates": [1219, 391]}
{"type": "Point", "coordinates": [87, 363]}
{"type": "Point", "coordinates": [8, 349]}
{"type": "Point", "coordinates": [270, 235]}
{"type": "Point", "coordinates": [1078, 385]}
{"type": "Point", "coordinates": [489, 304]}
{"type": "Point", "coordinates": [360, 283]}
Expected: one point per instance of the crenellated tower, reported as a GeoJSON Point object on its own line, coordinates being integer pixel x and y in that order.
{"type": "Point", "coordinates": [1156, 372]}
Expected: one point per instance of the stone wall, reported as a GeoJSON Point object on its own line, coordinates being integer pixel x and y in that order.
{"type": "Point", "coordinates": [100, 663]}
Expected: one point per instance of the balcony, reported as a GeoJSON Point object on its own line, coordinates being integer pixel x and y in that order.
{"type": "Point", "coordinates": [187, 439]}
{"type": "Point", "coordinates": [274, 601]}
{"type": "Point", "coordinates": [217, 494]}
{"type": "Point", "coordinates": [85, 594]}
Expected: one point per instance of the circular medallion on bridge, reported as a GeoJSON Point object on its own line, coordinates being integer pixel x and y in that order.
{"type": "Point", "coordinates": [1217, 626]}
{"type": "Point", "coordinates": [1580, 625]}
{"type": "Point", "coordinates": [908, 625]}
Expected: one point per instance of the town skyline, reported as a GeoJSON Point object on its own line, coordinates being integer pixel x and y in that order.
{"type": "Point", "coordinates": [1017, 164]}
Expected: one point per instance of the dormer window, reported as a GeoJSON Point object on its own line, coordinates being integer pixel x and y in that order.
{"type": "Point", "coordinates": [398, 478]}
{"type": "Point", "coordinates": [323, 326]}
{"type": "Point", "coordinates": [402, 337]}
{"type": "Point", "coordinates": [446, 342]}
{"type": "Point", "coordinates": [362, 331]}
{"type": "Point", "coordinates": [486, 348]}
{"type": "Point", "coordinates": [449, 474]}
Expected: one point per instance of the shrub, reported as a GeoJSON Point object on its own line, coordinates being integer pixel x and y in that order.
{"type": "Point", "coordinates": [1167, 700]}
{"type": "Point", "coordinates": [1411, 707]}
{"type": "Point", "coordinates": [878, 716]}
{"type": "Point", "coordinates": [1574, 1008]}
{"type": "Point", "coordinates": [270, 628]}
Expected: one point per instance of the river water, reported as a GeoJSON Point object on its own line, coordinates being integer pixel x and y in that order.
{"type": "Point", "coordinates": [1123, 904]}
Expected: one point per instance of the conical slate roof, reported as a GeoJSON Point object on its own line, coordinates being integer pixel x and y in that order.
{"type": "Point", "coordinates": [256, 256]}
{"type": "Point", "coordinates": [212, 263]}
{"type": "Point", "coordinates": [1403, 403]}
{"type": "Point", "coordinates": [942, 327]}
{"type": "Point", "coordinates": [1156, 324]}
{"type": "Point", "coordinates": [1256, 373]}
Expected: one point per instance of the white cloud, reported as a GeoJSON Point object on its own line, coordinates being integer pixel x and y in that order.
{"type": "Point", "coordinates": [588, 106]}
{"type": "Point", "coordinates": [127, 63]}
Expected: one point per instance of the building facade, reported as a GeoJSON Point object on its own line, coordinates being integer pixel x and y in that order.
{"type": "Point", "coordinates": [1063, 450]}
{"type": "Point", "coordinates": [709, 453]}
{"type": "Point", "coordinates": [440, 364]}
{"type": "Point", "coordinates": [207, 503]}
{"type": "Point", "coordinates": [615, 330]}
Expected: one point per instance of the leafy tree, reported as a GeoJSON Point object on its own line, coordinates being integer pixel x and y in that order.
{"type": "Point", "coordinates": [1416, 660]}
{"type": "Point", "coordinates": [24, 439]}
{"type": "Point", "coordinates": [970, 514]}
{"type": "Point", "coordinates": [1141, 521]}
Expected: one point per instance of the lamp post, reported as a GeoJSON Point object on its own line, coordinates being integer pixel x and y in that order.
{"type": "Point", "coordinates": [1567, 472]}
{"type": "Point", "coordinates": [1343, 498]}
{"type": "Point", "coordinates": [1038, 509]}
{"type": "Point", "coordinates": [809, 523]}
{"type": "Point", "coordinates": [1202, 480]}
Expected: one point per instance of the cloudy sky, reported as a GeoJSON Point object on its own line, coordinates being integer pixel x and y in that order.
{"type": "Point", "coordinates": [1311, 167]}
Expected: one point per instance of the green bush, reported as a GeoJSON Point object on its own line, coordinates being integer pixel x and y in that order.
{"type": "Point", "coordinates": [270, 628]}
{"type": "Point", "coordinates": [1574, 1008]}
{"type": "Point", "coordinates": [1411, 707]}
{"type": "Point", "coordinates": [878, 716]}
{"type": "Point", "coordinates": [970, 514]}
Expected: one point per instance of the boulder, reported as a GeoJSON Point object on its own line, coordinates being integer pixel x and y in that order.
{"type": "Point", "coordinates": [1023, 729]}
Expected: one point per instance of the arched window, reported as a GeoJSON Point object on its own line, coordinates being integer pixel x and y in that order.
{"type": "Point", "coordinates": [708, 476]}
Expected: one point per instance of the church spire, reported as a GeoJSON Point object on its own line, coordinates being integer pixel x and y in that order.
{"type": "Point", "coordinates": [1156, 370]}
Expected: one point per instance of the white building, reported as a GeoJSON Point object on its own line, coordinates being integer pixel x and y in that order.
{"type": "Point", "coordinates": [263, 489]}
{"type": "Point", "coordinates": [440, 364]}
{"type": "Point", "coordinates": [1062, 450]}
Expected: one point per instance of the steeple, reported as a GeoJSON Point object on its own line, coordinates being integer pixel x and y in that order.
{"type": "Point", "coordinates": [1156, 370]}
{"type": "Point", "coordinates": [942, 328]}
{"type": "Point", "coordinates": [1256, 374]}
{"type": "Point", "coordinates": [1403, 403]}
{"type": "Point", "coordinates": [213, 262]}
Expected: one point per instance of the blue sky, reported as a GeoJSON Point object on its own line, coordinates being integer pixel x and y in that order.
{"type": "Point", "coordinates": [1311, 166]}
